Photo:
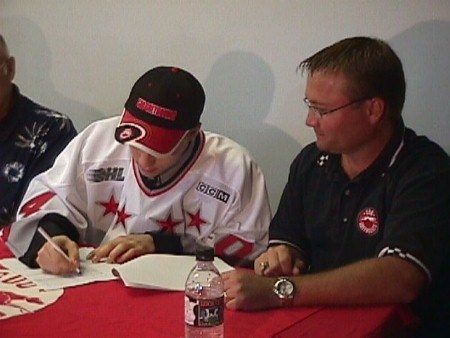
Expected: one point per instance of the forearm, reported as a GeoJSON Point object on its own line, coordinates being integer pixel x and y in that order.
{"type": "Point", "coordinates": [372, 281]}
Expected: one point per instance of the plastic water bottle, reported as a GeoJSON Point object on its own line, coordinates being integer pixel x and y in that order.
{"type": "Point", "coordinates": [204, 298]}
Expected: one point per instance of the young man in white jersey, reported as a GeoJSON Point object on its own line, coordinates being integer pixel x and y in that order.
{"type": "Point", "coordinates": [151, 181]}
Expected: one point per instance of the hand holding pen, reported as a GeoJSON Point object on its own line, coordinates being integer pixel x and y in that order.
{"type": "Point", "coordinates": [53, 259]}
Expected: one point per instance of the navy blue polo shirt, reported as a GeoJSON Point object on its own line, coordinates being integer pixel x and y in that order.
{"type": "Point", "coordinates": [399, 206]}
{"type": "Point", "coordinates": [31, 136]}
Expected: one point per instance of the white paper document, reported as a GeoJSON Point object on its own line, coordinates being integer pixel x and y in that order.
{"type": "Point", "coordinates": [90, 272]}
{"type": "Point", "coordinates": [163, 272]}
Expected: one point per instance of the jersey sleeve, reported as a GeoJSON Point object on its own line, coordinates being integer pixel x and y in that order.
{"type": "Point", "coordinates": [243, 234]}
{"type": "Point", "coordinates": [57, 195]}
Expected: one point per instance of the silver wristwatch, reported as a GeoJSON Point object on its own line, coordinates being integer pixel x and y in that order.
{"type": "Point", "coordinates": [284, 289]}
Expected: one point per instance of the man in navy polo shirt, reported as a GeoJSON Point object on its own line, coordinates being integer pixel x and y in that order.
{"type": "Point", "coordinates": [364, 217]}
{"type": "Point", "coordinates": [31, 136]}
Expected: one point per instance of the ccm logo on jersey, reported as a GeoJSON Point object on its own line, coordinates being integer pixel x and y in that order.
{"type": "Point", "coordinates": [213, 192]}
{"type": "Point", "coordinates": [105, 174]}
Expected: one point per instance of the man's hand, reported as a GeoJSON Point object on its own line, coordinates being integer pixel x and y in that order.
{"type": "Point", "coordinates": [53, 262]}
{"type": "Point", "coordinates": [247, 291]}
{"type": "Point", "coordinates": [124, 248]}
{"type": "Point", "coordinates": [280, 260]}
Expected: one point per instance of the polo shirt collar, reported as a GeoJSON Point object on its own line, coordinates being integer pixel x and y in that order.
{"type": "Point", "coordinates": [332, 162]}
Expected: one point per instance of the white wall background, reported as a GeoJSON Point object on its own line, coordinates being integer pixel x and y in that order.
{"type": "Point", "coordinates": [81, 57]}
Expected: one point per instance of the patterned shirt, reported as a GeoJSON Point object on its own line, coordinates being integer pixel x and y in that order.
{"type": "Point", "coordinates": [31, 136]}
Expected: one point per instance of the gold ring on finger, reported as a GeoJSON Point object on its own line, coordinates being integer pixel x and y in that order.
{"type": "Point", "coordinates": [264, 266]}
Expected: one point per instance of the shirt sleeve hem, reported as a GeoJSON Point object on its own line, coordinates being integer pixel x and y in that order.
{"type": "Point", "coordinates": [393, 251]}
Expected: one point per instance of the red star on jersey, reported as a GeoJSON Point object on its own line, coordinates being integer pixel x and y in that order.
{"type": "Point", "coordinates": [122, 216]}
{"type": "Point", "coordinates": [111, 207]}
{"type": "Point", "coordinates": [168, 224]}
{"type": "Point", "coordinates": [196, 220]}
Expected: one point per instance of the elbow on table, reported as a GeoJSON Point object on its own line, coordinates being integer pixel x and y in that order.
{"type": "Point", "coordinates": [409, 294]}
{"type": "Point", "coordinates": [411, 286]}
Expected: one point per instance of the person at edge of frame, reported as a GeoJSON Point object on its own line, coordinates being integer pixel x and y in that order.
{"type": "Point", "coordinates": [364, 217]}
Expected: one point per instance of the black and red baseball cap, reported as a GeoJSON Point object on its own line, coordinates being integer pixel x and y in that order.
{"type": "Point", "coordinates": [164, 104]}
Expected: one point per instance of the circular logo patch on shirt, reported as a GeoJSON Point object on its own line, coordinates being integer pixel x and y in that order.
{"type": "Point", "coordinates": [368, 221]}
{"type": "Point", "coordinates": [19, 296]}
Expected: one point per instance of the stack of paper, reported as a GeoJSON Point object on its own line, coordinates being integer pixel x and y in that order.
{"type": "Point", "coordinates": [159, 271]}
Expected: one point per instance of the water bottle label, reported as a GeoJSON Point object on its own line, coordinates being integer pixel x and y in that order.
{"type": "Point", "coordinates": [204, 312]}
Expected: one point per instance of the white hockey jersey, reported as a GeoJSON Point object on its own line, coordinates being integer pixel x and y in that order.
{"type": "Point", "coordinates": [95, 184]}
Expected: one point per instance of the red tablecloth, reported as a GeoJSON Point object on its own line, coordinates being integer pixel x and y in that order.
{"type": "Point", "coordinates": [109, 309]}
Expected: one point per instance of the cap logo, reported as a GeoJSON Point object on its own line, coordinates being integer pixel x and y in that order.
{"type": "Point", "coordinates": [155, 110]}
{"type": "Point", "coordinates": [128, 132]}
{"type": "Point", "coordinates": [368, 221]}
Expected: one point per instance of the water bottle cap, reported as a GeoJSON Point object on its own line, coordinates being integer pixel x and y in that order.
{"type": "Point", "coordinates": [204, 253]}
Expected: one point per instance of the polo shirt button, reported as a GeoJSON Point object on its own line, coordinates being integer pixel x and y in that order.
{"type": "Point", "coordinates": [344, 220]}
{"type": "Point", "coordinates": [347, 192]}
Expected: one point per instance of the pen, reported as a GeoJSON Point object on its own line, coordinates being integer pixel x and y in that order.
{"type": "Point", "coordinates": [55, 246]}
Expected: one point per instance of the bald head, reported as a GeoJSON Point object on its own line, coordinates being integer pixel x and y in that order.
{"type": "Point", "coordinates": [4, 52]}
{"type": "Point", "coordinates": [7, 73]}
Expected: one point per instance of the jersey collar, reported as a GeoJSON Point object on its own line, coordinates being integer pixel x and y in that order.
{"type": "Point", "coordinates": [173, 175]}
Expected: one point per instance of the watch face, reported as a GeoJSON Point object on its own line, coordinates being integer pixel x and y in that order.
{"type": "Point", "coordinates": [284, 288]}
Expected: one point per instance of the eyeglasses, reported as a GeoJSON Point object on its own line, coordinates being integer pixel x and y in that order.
{"type": "Point", "coordinates": [322, 112]}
